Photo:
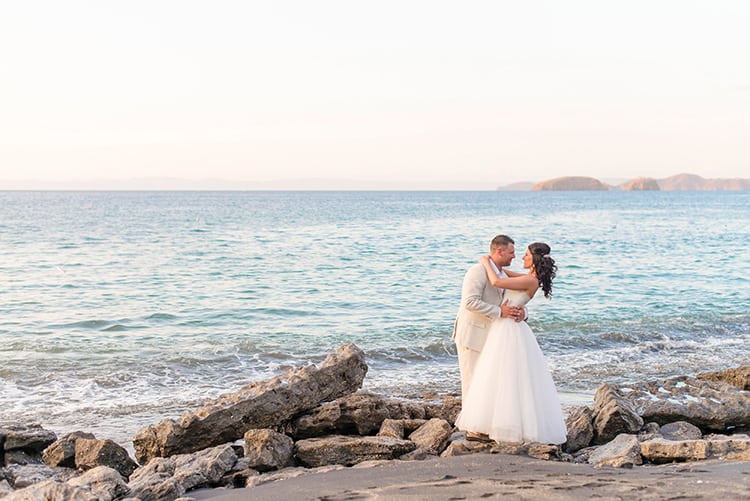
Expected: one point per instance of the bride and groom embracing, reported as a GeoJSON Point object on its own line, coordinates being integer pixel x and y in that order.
{"type": "Point", "coordinates": [507, 391]}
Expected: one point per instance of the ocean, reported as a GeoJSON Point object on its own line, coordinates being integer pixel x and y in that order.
{"type": "Point", "coordinates": [119, 309]}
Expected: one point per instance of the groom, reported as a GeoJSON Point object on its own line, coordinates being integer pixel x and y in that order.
{"type": "Point", "coordinates": [481, 303]}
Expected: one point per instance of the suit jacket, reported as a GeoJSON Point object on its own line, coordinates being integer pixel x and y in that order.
{"type": "Point", "coordinates": [480, 305]}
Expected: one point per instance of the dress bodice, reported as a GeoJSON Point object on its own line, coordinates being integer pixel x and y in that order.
{"type": "Point", "coordinates": [516, 298]}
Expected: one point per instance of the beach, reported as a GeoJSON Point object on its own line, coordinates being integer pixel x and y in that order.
{"type": "Point", "coordinates": [489, 476]}
{"type": "Point", "coordinates": [124, 309]}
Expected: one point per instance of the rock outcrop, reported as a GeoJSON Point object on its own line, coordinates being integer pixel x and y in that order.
{"type": "Point", "coordinates": [691, 182]}
{"type": "Point", "coordinates": [363, 413]}
{"type": "Point", "coordinates": [680, 430]}
{"type": "Point", "coordinates": [169, 478]}
{"type": "Point", "coordinates": [732, 447]}
{"type": "Point", "coordinates": [266, 404]}
{"type": "Point", "coordinates": [23, 444]}
{"type": "Point", "coordinates": [709, 405]}
{"type": "Point", "coordinates": [62, 452]}
{"type": "Point", "coordinates": [24, 475]}
{"type": "Point", "coordinates": [571, 183]}
{"type": "Point", "coordinates": [432, 436]}
{"type": "Point", "coordinates": [91, 453]}
{"type": "Point", "coordinates": [349, 450]}
{"type": "Point", "coordinates": [267, 450]}
{"type": "Point", "coordinates": [330, 434]}
{"type": "Point", "coordinates": [580, 425]}
{"type": "Point", "coordinates": [622, 452]}
{"type": "Point", "coordinates": [680, 182]}
{"type": "Point", "coordinates": [641, 184]}
{"type": "Point", "coordinates": [739, 377]}
{"type": "Point", "coordinates": [613, 415]}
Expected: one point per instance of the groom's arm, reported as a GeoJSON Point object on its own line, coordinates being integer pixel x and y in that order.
{"type": "Point", "coordinates": [472, 293]}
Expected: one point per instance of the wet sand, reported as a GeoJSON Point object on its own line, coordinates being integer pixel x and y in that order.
{"type": "Point", "coordinates": [489, 476]}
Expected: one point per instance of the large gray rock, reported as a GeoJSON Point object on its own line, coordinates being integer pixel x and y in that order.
{"type": "Point", "coordinates": [734, 447]}
{"type": "Point", "coordinates": [649, 431]}
{"type": "Point", "coordinates": [360, 413]}
{"type": "Point", "coordinates": [432, 436]}
{"type": "Point", "coordinates": [580, 426]}
{"type": "Point", "coordinates": [659, 450]}
{"type": "Point", "coordinates": [63, 451]}
{"type": "Point", "coordinates": [105, 483]}
{"type": "Point", "coordinates": [739, 377]}
{"type": "Point", "coordinates": [319, 421]}
{"type": "Point", "coordinates": [622, 452]}
{"type": "Point", "coordinates": [155, 481]}
{"type": "Point", "coordinates": [204, 468]}
{"type": "Point", "coordinates": [393, 428]}
{"type": "Point", "coordinates": [267, 450]}
{"type": "Point", "coordinates": [410, 409]}
{"type": "Point", "coordinates": [19, 456]}
{"type": "Point", "coordinates": [23, 443]}
{"type": "Point", "coordinates": [265, 404]}
{"type": "Point", "coordinates": [399, 428]}
{"type": "Point", "coordinates": [349, 450]}
{"type": "Point", "coordinates": [166, 479]}
{"type": "Point", "coordinates": [31, 437]}
{"type": "Point", "coordinates": [20, 476]}
{"type": "Point", "coordinates": [613, 415]}
{"type": "Point", "coordinates": [90, 453]}
{"type": "Point", "coordinates": [680, 430]}
{"type": "Point", "coordinates": [50, 490]}
{"type": "Point", "coordinates": [709, 405]}
{"type": "Point", "coordinates": [445, 407]}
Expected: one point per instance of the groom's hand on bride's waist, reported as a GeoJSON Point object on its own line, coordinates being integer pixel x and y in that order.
{"type": "Point", "coordinates": [517, 313]}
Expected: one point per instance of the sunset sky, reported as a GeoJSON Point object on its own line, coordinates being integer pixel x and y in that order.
{"type": "Point", "coordinates": [434, 94]}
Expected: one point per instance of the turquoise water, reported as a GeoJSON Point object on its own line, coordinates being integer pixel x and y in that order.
{"type": "Point", "coordinates": [118, 309]}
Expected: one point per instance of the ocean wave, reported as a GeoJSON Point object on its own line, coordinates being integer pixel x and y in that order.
{"type": "Point", "coordinates": [120, 328]}
{"type": "Point", "coordinates": [84, 324]}
{"type": "Point", "coordinates": [630, 337]}
{"type": "Point", "coordinates": [161, 316]}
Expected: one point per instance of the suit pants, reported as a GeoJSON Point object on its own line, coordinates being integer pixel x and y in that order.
{"type": "Point", "coordinates": [467, 360]}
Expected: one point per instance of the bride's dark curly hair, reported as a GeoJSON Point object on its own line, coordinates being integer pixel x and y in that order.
{"type": "Point", "coordinates": [544, 266]}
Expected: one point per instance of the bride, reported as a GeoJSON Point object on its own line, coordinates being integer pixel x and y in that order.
{"type": "Point", "coordinates": [512, 397]}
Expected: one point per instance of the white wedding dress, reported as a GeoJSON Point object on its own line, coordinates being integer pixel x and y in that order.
{"type": "Point", "coordinates": [512, 397]}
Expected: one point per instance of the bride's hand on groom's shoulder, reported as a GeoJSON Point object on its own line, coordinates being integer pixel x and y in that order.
{"type": "Point", "coordinates": [484, 259]}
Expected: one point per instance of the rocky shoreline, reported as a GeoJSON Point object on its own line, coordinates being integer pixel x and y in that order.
{"type": "Point", "coordinates": [314, 419]}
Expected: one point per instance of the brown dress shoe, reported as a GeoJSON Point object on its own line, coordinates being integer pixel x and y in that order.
{"type": "Point", "coordinates": [478, 437]}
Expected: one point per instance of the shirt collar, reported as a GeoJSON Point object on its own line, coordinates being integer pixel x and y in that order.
{"type": "Point", "coordinates": [497, 270]}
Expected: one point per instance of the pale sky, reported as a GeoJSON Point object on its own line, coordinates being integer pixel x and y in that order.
{"type": "Point", "coordinates": [464, 94]}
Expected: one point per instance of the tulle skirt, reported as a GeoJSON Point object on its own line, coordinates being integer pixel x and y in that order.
{"type": "Point", "coordinates": [512, 397]}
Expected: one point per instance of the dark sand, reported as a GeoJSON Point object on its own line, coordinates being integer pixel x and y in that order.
{"type": "Point", "coordinates": [483, 476]}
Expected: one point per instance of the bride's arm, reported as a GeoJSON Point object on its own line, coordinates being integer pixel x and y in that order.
{"type": "Point", "coordinates": [517, 282]}
{"type": "Point", "coordinates": [514, 274]}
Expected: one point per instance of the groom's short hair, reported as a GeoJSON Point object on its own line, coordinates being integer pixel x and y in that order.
{"type": "Point", "coordinates": [501, 241]}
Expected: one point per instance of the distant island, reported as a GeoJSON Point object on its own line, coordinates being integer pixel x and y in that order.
{"type": "Point", "coordinates": [680, 182]}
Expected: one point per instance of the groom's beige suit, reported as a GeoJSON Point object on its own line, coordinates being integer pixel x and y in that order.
{"type": "Point", "coordinates": [480, 305]}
